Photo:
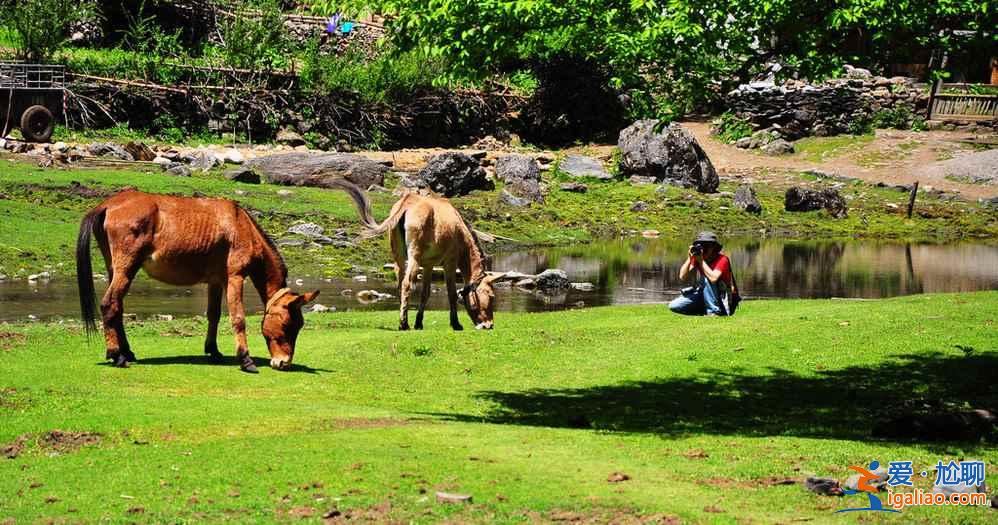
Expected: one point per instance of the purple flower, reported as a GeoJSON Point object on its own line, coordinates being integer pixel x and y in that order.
{"type": "Point", "coordinates": [333, 23]}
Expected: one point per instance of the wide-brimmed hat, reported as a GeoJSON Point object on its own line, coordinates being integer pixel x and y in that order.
{"type": "Point", "coordinates": [705, 237]}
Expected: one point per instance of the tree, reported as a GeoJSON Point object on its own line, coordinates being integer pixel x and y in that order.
{"type": "Point", "coordinates": [41, 26]}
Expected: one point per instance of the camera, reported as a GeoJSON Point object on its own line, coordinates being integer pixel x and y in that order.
{"type": "Point", "coordinates": [697, 249]}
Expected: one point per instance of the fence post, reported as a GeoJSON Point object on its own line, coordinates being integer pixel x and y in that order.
{"type": "Point", "coordinates": [911, 198]}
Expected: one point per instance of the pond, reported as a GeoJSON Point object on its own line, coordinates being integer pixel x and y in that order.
{"type": "Point", "coordinates": [623, 272]}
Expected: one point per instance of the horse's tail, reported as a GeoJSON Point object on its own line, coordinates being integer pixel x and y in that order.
{"type": "Point", "coordinates": [92, 223]}
{"type": "Point", "coordinates": [371, 228]}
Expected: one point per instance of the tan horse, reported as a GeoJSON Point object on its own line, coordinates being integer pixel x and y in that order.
{"type": "Point", "coordinates": [426, 231]}
{"type": "Point", "coordinates": [185, 241]}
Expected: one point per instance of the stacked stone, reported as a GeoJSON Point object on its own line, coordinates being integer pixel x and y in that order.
{"type": "Point", "coordinates": [798, 109]}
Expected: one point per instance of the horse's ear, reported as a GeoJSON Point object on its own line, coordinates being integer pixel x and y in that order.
{"type": "Point", "coordinates": [306, 297]}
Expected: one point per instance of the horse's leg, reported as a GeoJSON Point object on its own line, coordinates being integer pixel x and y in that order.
{"type": "Point", "coordinates": [214, 312]}
{"type": "Point", "coordinates": [451, 277]}
{"type": "Point", "coordinates": [423, 297]}
{"type": "Point", "coordinates": [237, 316]}
{"type": "Point", "coordinates": [411, 269]}
{"type": "Point", "coordinates": [112, 308]}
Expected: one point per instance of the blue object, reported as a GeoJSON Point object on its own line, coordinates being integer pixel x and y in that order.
{"type": "Point", "coordinates": [346, 27]}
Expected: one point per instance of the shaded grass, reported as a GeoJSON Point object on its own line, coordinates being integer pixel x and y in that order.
{"type": "Point", "coordinates": [820, 149]}
{"type": "Point", "coordinates": [41, 211]}
{"type": "Point", "coordinates": [533, 415]}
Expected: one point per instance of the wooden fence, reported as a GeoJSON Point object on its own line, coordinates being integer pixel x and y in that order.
{"type": "Point", "coordinates": [962, 106]}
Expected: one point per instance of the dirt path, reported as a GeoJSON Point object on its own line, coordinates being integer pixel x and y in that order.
{"type": "Point", "coordinates": [892, 157]}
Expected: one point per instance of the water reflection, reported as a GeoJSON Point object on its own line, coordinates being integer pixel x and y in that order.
{"type": "Point", "coordinates": [625, 271]}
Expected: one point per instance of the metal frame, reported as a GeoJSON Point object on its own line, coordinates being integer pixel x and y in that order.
{"type": "Point", "coordinates": [15, 75]}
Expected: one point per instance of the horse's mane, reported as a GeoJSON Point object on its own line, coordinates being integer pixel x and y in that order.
{"type": "Point", "coordinates": [478, 242]}
{"type": "Point", "coordinates": [270, 242]}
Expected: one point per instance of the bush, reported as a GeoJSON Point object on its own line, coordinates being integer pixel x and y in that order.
{"type": "Point", "coordinates": [256, 36]}
{"type": "Point", "coordinates": [386, 78]}
{"type": "Point", "coordinates": [40, 27]}
{"type": "Point", "coordinates": [899, 117]}
{"type": "Point", "coordinates": [730, 127]}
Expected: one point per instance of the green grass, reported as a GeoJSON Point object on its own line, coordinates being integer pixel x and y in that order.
{"type": "Point", "coordinates": [529, 418]}
{"type": "Point", "coordinates": [40, 213]}
{"type": "Point", "coordinates": [820, 149]}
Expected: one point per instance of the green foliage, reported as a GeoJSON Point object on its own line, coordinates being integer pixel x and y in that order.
{"type": "Point", "coordinates": [38, 28]}
{"type": "Point", "coordinates": [256, 36]}
{"type": "Point", "coordinates": [730, 127]}
{"type": "Point", "coordinates": [385, 78]}
{"type": "Point", "coordinates": [899, 117]}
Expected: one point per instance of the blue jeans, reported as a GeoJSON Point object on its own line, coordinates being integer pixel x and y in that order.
{"type": "Point", "coordinates": [704, 299]}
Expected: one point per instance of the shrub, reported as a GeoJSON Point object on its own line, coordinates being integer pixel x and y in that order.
{"type": "Point", "coordinates": [386, 78]}
{"type": "Point", "coordinates": [899, 117]}
{"type": "Point", "coordinates": [256, 36]}
{"type": "Point", "coordinates": [38, 28]}
{"type": "Point", "coordinates": [729, 127]}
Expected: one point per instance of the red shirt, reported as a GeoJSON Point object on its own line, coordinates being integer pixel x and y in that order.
{"type": "Point", "coordinates": [721, 264]}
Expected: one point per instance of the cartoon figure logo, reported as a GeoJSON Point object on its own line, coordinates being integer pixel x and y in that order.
{"type": "Point", "coordinates": [865, 477]}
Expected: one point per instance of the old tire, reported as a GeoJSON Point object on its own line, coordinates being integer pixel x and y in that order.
{"type": "Point", "coordinates": [37, 124]}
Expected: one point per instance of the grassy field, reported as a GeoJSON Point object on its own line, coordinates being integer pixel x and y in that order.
{"type": "Point", "coordinates": [40, 210]}
{"type": "Point", "coordinates": [532, 419]}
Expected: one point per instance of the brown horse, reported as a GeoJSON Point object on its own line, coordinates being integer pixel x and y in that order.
{"type": "Point", "coordinates": [426, 231]}
{"type": "Point", "coordinates": [185, 241]}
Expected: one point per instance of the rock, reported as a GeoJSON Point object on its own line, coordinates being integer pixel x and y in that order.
{"type": "Point", "coordinates": [573, 187]}
{"type": "Point", "coordinates": [177, 169]}
{"type": "Point", "coordinates": [139, 151]}
{"type": "Point", "coordinates": [321, 308]}
{"type": "Point", "coordinates": [370, 296]}
{"type": "Point", "coordinates": [824, 486]}
{"type": "Point", "coordinates": [672, 154]}
{"type": "Point", "coordinates": [778, 147]}
{"type": "Point", "coordinates": [641, 179]}
{"type": "Point", "coordinates": [243, 174]}
{"type": "Point", "coordinates": [509, 199]}
{"type": "Point", "coordinates": [650, 234]}
{"type": "Point", "coordinates": [307, 229]}
{"type": "Point", "coordinates": [526, 190]}
{"type": "Point", "coordinates": [580, 166]}
{"type": "Point", "coordinates": [233, 156]}
{"type": "Point", "coordinates": [990, 203]}
{"type": "Point", "coordinates": [318, 169]}
{"type": "Point", "coordinates": [289, 137]}
{"type": "Point", "coordinates": [292, 243]}
{"type": "Point", "coordinates": [857, 72]}
{"type": "Point", "coordinates": [360, 278]}
{"type": "Point", "coordinates": [161, 161]}
{"type": "Point", "coordinates": [285, 193]}
{"type": "Point", "coordinates": [639, 206]}
{"type": "Point", "coordinates": [957, 426]}
{"type": "Point", "coordinates": [760, 138]}
{"type": "Point", "coordinates": [164, 317]}
{"type": "Point", "coordinates": [552, 279]}
{"type": "Point", "coordinates": [447, 497]}
{"type": "Point", "coordinates": [802, 199]}
{"type": "Point", "coordinates": [852, 483]}
{"type": "Point", "coordinates": [452, 174]}
{"type": "Point", "coordinates": [61, 147]}
{"type": "Point", "coordinates": [617, 477]}
{"type": "Point", "coordinates": [743, 143]}
{"type": "Point", "coordinates": [979, 167]}
{"type": "Point", "coordinates": [746, 200]}
{"type": "Point", "coordinates": [960, 488]}
{"type": "Point", "coordinates": [107, 149]}
{"type": "Point", "coordinates": [529, 283]}
{"type": "Point", "coordinates": [583, 287]}
{"type": "Point", "coordinates": [511, 168]}
{"type": "Point", "coordinates": [44, 276]}
{"type": "Point", "coordinates": [203, 160]}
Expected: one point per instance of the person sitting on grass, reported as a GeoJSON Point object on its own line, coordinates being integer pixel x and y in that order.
{"type": "Point", "coordinates": [715, 286]}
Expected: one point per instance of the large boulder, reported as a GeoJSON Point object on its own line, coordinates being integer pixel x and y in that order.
{"type": "Point", "coordinates": [672, 154]}
{"type": "Point", "coordinates": [552, 279]}
{"type": "Point", "coordinates": [803, 199]}
{"type": "Point", "coordinates": [778, 147]}
{"type": "Point", "coordinates": [579, 166]}
{"type": "Point", "coordinates": [451, 174]}
{"type": "Point", "coordinates": [746, 200]}
{"type": "Point", "coordinates": [511, 168]}
{"type": "Point", "coordinates": [318, 169]}
{"type": "Point", "coordinates": [139, 151]}
{"type": "Point", "coordinates": [109, 149]}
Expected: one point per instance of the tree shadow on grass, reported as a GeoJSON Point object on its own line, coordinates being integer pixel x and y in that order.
{"type": "Point", "coordinates": [836, 404]}
{"type": "Point", "coordinates": [260, 362]}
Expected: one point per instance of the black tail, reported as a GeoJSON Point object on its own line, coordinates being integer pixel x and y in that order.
{"type": "Point", "coordinates": [84, 268]}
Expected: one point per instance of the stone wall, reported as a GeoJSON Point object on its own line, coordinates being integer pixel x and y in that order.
{"type": "Point", "coordinates": [798, 109]}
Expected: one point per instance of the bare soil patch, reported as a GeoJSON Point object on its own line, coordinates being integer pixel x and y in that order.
{"type": "Point", "coordinates": [14, 448]}
{"type": "Point", "coordinates": [9, 340]}
{"type": "Point", "coordinates": [361, 422]}
{"type": "Point", "coordinates": [66, 442]}
{"type": "Point", "coordinates": [600, 515]}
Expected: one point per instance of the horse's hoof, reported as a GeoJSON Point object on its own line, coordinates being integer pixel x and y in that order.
{"type": "Point", "coordinates": [457, 327]}
{"type": "Point", "coordinates": [419, 326]}
{"type": "Point", "coordinates": [120, 360]}
{"type": "Point", "coordinates": [129, 355]}
{"type": "Point", "coordinates": [403, 327]}
{"type": "Point", "coordinates": [246, 365]}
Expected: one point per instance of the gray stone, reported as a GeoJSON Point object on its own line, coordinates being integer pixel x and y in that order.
{"type": "Point", "coordinates": [446, 497]}
{"type": "Point", "coordinates": [573, 187]}
{"type": "Point", "coordinates": [583, 287]}
{"type": "Point", "coordinates": [638, 180]}
{"type": "Point", "coordinates": [508, 198]}
{"type": "Point", "coordinates": [108, 149]}
{"type": "Point", "coordinates": [552, 279]}
{"type": "Point", "coordinates": [512, 168]}
{"type": "Point", "coordinates": [177, 169]}
{"type": "Point", "coordinates": [307, 229]}
{"type": "Point", "coordinates": [639, 206]}
{"type": "Point", "coordinates": [743, 143]}
{"type": "Point", "coordinates": [672, 154]}
{"type": "Point", "coordinates": [580, 166]}
{"type": "Point", "coordinates": [746, 200]}
{"type": "Point", "coordinates": [289, 137]}
{"type": "Point", "coordinates": [959, 488]}
{"type": "Point", "coordinates": [452, 174]}
{"type": "Point", "coordinates": [823, 486]}
{"type": "Point", "coordinates": [318, 169]}
{"type": "Point", "coordinates": [802, 199]}
{"type": "Point", "coordinates": [321, 308]}
{"type": "Point", "coordinates": [778, 147]}
{"type": "Point", "coordinates": [760, 138]}
{"type": "Point", "coordinates": [243, 174]}
{"type": "Point", "coordinates": [290, 243]}
{"type": "Point", "coordinates": [203, 160]}
{"type": "Point", "coordinates": [990, 203]}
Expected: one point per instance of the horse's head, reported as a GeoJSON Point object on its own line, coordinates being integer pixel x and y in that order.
{"type": "Point", "coordinates": [282, 321]}
{"type": "Point", "coordinates": [479, 300]}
